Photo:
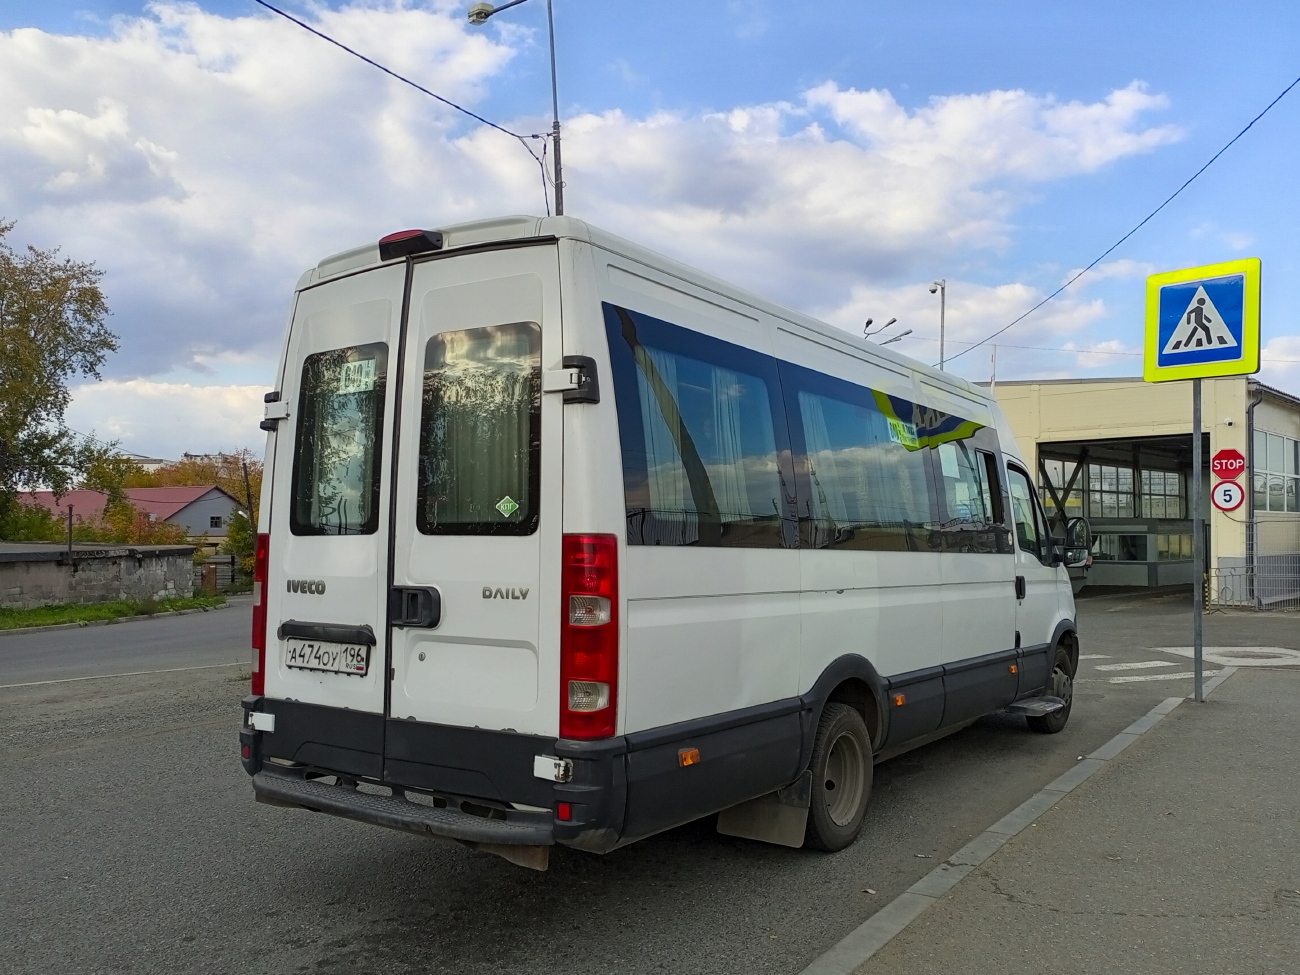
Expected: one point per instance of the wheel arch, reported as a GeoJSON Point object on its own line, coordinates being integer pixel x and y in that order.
{"type": "Point", "coordinates": [850, 679]}
{"type": "Point", "coordinates": [1066, 635]}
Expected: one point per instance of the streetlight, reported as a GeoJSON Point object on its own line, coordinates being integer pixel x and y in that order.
{"type": "Point", "coordinates": [478, 15]}
{"type": "Point", "coordinates": [896, 338]}
{"type": "Point", "coordinates": [942, 288]}
{"type": "Point", "coordinates": [869, 334]}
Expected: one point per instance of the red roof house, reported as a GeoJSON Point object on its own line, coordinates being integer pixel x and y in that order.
{"type": "Point", "coordinates": [202, 509]}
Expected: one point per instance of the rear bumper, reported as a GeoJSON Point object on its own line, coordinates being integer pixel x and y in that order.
{"type": "Point", "coordinates": [462, 784]}
{"type": "Point", "coordinates": [441, 816]}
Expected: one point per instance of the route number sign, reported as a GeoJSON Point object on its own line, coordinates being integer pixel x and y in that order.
{"type": "Point", "coordinates": [1228, 464]}
{"type": "Point", "coordinates": [1227, 495]}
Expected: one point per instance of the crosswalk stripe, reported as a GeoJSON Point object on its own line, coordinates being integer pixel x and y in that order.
{"type": "Point", "coordinates": [1137, 665]}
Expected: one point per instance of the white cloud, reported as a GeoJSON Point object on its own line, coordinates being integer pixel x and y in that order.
{"type": "Point", "coordinates": [167, 419]}
{"type": "Point", "coordinates": [203, 161]}
{"type": "Point", "coordinates": [1280, 364]}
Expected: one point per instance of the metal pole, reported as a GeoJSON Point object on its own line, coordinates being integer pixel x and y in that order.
{"type": "Point", "coordinates": [69, 534]}
{"type": "Point", "coordinates": [943, 301]}
{"type": "Point", "coordinates": [1198, 547]}
{"type": "Point", "coordinates": [555, 114]}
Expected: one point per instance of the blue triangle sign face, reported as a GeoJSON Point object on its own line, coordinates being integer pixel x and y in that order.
{"type": "Point", "coordinates": [1201, 321]}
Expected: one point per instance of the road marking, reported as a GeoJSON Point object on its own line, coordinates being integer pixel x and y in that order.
{"type": "Point", "coordinates": [1137, 665]}
{"type": "Point", "coordinates": [857, 947]}
{"type": "Point", "coordinates": [1242, 656]}
{"type": "Point", "coordinates": [1181, 675]}
{"type": "Point", "coordinates": [1094, 656]}
{"type": "Point", "coordinates": [137, 673]}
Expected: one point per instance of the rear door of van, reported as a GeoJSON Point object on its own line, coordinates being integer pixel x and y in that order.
{"type": "Point", "coordinates": [476, 524]}
{"type": "Point", "coordinates": [327, 572]}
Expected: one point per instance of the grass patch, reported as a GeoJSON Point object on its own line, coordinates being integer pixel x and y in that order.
{"type": "Point", "coordinates": [11, 619]}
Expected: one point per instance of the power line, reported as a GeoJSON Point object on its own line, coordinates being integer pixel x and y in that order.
{"type": "Point", "coordinates": [1061, 348]}
{"type": "Point", "coordinates": [1143, 223]}
{"type": "Point", "coordinates": [418, 87]}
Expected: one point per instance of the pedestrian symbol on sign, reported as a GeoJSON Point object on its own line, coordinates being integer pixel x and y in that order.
{"type": "Point", "coordinates": [1202, 327]}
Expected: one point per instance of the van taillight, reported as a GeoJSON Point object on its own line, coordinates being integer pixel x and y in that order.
{"type": "Point", "coordinates": [589, 636]}
{"type": "Point", "coordinates": [261, 560]}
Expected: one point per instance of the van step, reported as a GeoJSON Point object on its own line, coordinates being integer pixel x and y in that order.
{"type": "Point", "coordinates": [397, 812]}
{"type": "Point", "coordinates": [1035, 707]}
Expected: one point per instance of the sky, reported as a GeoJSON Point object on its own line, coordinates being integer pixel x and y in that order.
{"type": "Point", "coordinates": [837, 157]}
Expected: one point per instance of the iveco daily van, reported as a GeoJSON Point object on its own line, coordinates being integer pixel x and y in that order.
{"type": "Point", "coordinates": [563, 542]}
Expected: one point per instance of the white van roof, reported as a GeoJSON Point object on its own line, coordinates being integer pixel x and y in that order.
{"type": "Point", "coordinates": [522, 226]}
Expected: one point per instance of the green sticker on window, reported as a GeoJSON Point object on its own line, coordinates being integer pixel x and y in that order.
{"type": "Point", "coordinates": [902, 432]}
{"type": "Point", "coordinates": [507, 506]}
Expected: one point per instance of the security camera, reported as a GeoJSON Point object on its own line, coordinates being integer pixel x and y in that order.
{"type": "Point", "coordinates": [480, 12]}
{"type": "Point", "coordinates": [934, 289]}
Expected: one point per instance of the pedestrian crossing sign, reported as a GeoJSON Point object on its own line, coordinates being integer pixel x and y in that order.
{"type": "Point", "coordinates": [1203, 322]}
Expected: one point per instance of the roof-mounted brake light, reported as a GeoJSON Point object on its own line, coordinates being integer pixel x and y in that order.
{"type": "Point", "coordinates": [404, 243]}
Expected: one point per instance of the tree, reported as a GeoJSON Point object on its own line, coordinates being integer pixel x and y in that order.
{"type": "Point", "coordinates": [52, 315]}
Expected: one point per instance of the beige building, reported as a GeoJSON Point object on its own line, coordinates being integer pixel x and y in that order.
{"type": "Point", "coordinates": [1119, 451]}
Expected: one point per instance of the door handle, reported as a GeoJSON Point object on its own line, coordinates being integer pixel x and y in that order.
{"type": "Point", "coordinates": [326, 632]}
{"type": "Point", "coordinates": [415, 606]}
{"type": "Point", "coordinates": [1020, 587]}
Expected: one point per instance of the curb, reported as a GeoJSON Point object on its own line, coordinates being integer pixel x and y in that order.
{"type": "Point", "coordinates": [882, 927]}
{"type": "Point", "coordinates": [120, 619]}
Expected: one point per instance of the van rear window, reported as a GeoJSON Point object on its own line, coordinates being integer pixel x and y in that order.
{"type": "Point", "coordinates": [480, 431]}
{"type": "Point", "coordinates": [337, 453]}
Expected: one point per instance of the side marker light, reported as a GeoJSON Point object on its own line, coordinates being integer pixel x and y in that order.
{"type": "Point", "coordinates": [900, 700]}
{"type": "Point", "coordinates": [1014, 669]}
{"type": "Point", "coordinates": [563, 811]}
{"type": "Point", "coordinates": [688, 756]}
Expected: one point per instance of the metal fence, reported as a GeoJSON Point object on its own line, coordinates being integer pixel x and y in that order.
{"type": "Point", "coordinates": [220, 574]}
{"type": "Point", "coordinates": [1268, 578]}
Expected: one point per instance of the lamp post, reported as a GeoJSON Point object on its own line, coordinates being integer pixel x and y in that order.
{"type": "Point", "coordinates": [478, 15]}
{"type": "Point", "coordinates": [942, 288]}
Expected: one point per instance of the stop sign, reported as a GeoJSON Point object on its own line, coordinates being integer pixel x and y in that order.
{"type": "Point", "coordinates": [1228, 464]}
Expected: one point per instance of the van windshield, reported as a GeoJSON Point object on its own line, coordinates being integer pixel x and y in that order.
{"type": "Point", "coordinates": [336, 454]}
{"type": "Point", "coordinates": [480, 431]}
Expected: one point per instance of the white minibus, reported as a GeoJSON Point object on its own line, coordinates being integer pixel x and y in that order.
{"type": "Point", "coordinates": [564, 542]}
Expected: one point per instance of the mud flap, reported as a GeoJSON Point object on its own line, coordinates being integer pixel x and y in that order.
{"type": "Point", "coordinates": [779, 817]}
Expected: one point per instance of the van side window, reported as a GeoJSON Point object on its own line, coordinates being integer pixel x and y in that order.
{"type": "Point", "coordinates": [480, 432]}
{"type": "Point", "coordinates": [701, 441]}
{"type": "Point", "coordinates": [972, 517]}
{"type": "Point", "coordinates": [863, 482]}
{"type": "Point", "coordinates": [1029, 526]}
{"type": "Point", "coordinates": [336, 460]}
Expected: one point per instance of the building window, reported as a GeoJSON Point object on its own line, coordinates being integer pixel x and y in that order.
{"type": "Point", "coordinates": [1059, 472]}
{"type": "Point", "coordinates": [215, 521]}
{"type": "Point", "coordinates": [1275, 474]}
{"type": "Point", "coordinates": [1120, 548]}
{"type": "Point", "coordinates": [1173, 548]}
{"type": "Point", "coordinates": [1110, 491]}
{"type": "Point", "coordinates": [1162, 494]}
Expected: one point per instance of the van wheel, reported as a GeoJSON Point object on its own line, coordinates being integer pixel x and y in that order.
{"type": "Point", "coordinates": [841, 779]}
{"type": "Point", "coordinates": [1060, 685]}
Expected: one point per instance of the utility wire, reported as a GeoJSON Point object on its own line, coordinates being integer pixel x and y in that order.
{"type": "Point", "coordinates": [418, 87]}
{"type": "Point", "coordinates": [1145, 220]}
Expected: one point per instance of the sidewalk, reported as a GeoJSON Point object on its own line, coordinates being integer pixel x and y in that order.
{"type": "Point", "coordinates": [1182, 855]}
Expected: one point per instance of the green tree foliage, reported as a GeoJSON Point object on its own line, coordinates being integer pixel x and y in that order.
{"type": "Point", "coordinates": [52, 328]}
{"type": "Point", "coordinates": [241, 537]}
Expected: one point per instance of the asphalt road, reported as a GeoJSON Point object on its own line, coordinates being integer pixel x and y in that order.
{"type": "Point", "coordinates": [168, 642]}
{"type": "Point", "coordinates": [132, 842]}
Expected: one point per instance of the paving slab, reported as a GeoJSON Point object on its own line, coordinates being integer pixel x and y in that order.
{"type": "Point", "coordinates": [1182, 855]}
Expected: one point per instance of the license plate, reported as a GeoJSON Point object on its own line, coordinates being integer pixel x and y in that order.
{"type": "Point", "coordinates": [337, 658]}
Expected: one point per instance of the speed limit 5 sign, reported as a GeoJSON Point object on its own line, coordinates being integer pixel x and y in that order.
{"type": "Point", "coordinates": [1227, 495]}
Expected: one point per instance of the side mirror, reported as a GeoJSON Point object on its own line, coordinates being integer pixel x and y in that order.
{"type": "Point", "coordinates": [1078, 543]}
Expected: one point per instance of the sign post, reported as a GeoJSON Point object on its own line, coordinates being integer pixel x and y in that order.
{"type": "Point", "coordinates": [1203, 322]}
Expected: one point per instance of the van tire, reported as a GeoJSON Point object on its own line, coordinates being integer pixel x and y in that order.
{"type": "Point", "coordinates": [1060, 684]}
{"type": "Point", "coordinates": [841, 779]}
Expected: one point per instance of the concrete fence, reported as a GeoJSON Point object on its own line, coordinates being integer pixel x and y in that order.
{"type": "Point", "coordinates": [41, 574]}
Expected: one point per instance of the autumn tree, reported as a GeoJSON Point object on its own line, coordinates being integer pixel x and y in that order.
{"type": "Point", "coordinates": [52, 328]}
